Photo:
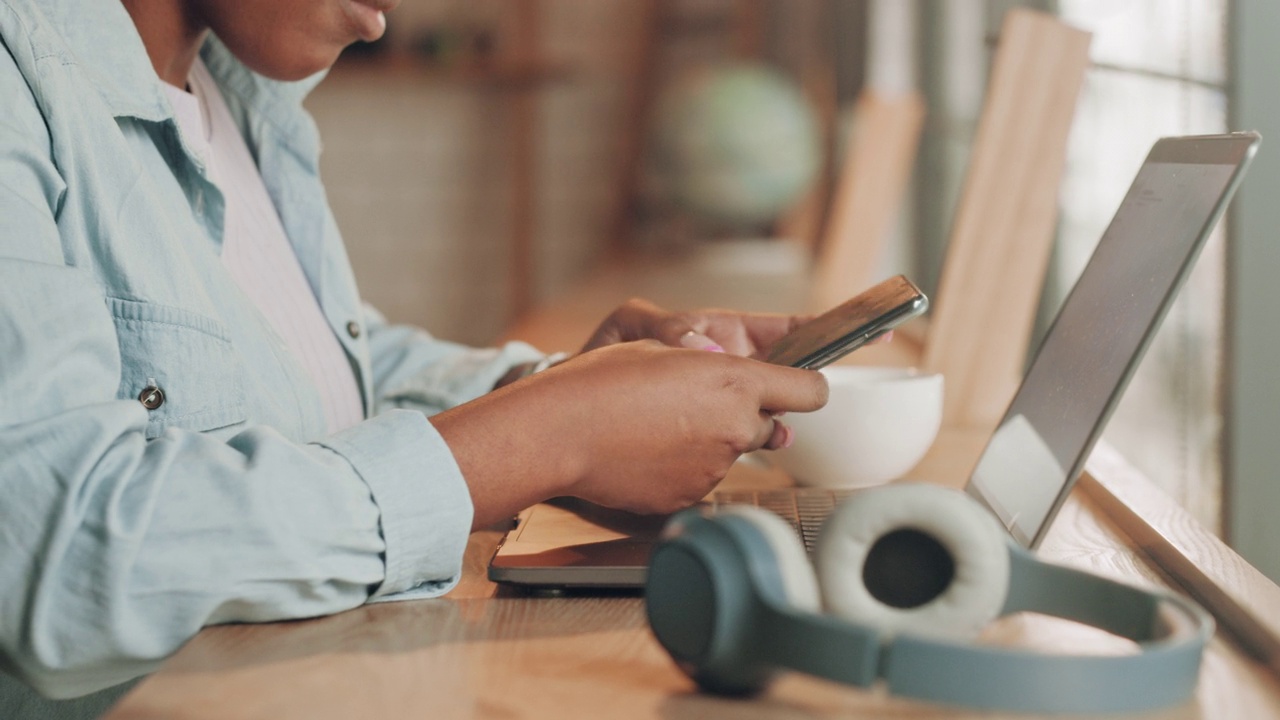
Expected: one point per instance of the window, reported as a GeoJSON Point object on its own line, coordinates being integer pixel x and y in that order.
{"type": "Point", "coordinates": [1159, 69]}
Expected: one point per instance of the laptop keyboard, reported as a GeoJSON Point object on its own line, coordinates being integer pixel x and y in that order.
{"type": "Point", "coordinates": [805, 508]}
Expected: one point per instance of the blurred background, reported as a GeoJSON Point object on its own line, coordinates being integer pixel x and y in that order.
{"type": "Point", "coordinates": [488, 156]}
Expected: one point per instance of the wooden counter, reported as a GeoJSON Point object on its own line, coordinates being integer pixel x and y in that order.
{"type": "Point", "coordinates": [483, 652]}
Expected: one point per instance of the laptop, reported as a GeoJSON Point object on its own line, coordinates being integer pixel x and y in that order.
{"type": "Point", "coordinates": [1033, 458]}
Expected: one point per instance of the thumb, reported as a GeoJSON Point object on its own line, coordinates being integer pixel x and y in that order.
{"type": "Point", "coordinates": [791, 389]}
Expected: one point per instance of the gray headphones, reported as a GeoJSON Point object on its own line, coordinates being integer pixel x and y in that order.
{"type": "Point", "coordinates": [909, 573]}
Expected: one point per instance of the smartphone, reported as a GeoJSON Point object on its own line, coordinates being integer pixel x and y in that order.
{"type": "Point", "coordinates": [850, 325]}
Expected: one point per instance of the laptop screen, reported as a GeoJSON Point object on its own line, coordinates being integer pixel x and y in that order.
{"type": "Point", "coordinates": [1102, 329]}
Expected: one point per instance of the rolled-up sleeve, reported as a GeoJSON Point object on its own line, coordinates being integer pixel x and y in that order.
{"type": "Point", "coordinates": [424, 524]}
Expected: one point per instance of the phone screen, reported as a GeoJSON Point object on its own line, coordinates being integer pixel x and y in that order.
{"type": "Point", "coordinates": [850, 325]}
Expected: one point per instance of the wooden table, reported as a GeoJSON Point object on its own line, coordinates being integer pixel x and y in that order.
{"type": "Point", "coordinates": [482, 651]}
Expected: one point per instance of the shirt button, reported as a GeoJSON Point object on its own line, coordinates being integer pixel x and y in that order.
{"type": "Point", "coordinates": [353, 329]}
{"type": "Point", "coordinates": [151, 397]}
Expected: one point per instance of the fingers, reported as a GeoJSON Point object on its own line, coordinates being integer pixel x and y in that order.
{"type": "Point", "coordinates": [685, 330]}
{"type": "Point", "coordinates": [749, 334]}
{"type": "Point", "coordinates": [736, 333]}
{"type": "Point", "coordinates": [774, 388]}
{"type": "Point", "coordinates": [780, 436]}
{"type": "Point", "coordinates": [632, 320]}
{"type": "Point", "coordinates": [784, 389]}
{"type": "Point", "coordinates": [765, 330]}
{"type": "Point", "coordinates": [772, 434]}
{"type": "Point", "coordinates": [695, 340]}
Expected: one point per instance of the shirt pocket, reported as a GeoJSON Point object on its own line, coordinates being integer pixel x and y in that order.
{"type": "Point", "coordinates": [188, 357]}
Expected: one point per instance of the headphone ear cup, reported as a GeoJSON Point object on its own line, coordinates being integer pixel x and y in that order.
{"type": "Point", "coordinates": [799, 584]}
{"type": "Point", "coordinates": [711, 578]}
{"type": "Point", "coordinates": [702, 596]}
{"type": "Point", "coordinates": [914, 557]}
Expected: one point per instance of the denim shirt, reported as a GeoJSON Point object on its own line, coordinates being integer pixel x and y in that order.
{"type": "Point", "coordinates": [125, 526]}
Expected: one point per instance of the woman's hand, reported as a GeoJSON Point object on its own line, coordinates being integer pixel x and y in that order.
{"type": "Point", "coordinates": [746, 334]}
{"type": "Point", "coordinates": [635, 425]}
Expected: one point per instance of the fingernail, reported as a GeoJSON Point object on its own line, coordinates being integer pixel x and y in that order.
{"type": "Point", "coordinates": [790, 438]}
{"type": "Point", "coordinates": [698, 341]}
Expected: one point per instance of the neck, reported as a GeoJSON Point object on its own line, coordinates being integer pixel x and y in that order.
{"type": "Point", "coordinates": [172, 34]}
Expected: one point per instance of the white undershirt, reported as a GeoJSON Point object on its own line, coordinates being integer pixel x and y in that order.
{"type": "Point", "coordinates": [257, 253]}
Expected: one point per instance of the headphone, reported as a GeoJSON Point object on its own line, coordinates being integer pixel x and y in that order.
{"type": "Point", "coordinates": [909, 574]}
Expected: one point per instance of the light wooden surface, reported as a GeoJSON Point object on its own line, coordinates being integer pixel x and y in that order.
{"type": "Point", "coordinates": [1245, 603]}
{"type": "Point", "coordinates": [873, 178]}
{"type": "Point", "coordinates": [480, 652]}
{"type": "Point", "coordinates": [1004, 225]}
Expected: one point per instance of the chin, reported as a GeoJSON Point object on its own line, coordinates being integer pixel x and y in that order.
{"type": "Point", "coordinates": [296, 67]}
{"type": "Point", "coordinates": [275, 62]}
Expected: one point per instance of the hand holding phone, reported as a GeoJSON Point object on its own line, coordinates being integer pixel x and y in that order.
{"type": "Point", "coordinates": [850, 325]}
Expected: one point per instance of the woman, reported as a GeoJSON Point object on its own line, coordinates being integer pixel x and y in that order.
{"type": "Point", "coordinates": [199, 423]}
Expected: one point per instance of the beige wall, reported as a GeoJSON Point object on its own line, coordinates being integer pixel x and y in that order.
{"type": "Point", "coordinates": [418, 177]}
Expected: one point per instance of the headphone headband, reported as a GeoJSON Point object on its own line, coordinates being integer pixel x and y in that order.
{"type": "Point", "coordinates": [748, 629]}
{"type": "Point", "coordinates": [1171, 634]}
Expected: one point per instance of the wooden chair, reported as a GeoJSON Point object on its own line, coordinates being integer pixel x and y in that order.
{"type": "Point", "coordinates": [1004, 225]}
{"type": "Point", "coordinates": [984, 308]}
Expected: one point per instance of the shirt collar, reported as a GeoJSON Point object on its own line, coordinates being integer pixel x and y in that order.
{"type": "Point", "coordinates": [254, 90]}
{"type": "Point", "coordinates": [106, 45]}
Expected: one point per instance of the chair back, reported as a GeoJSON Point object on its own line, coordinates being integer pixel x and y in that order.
{"type": "Point", "coordinates": [1004, 226]}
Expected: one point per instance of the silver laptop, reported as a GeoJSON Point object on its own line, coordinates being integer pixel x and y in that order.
{"type": "Point", "coordinates": [1038, 450]}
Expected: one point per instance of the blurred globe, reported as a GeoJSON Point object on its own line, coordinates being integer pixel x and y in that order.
{"type": "Point", "coordinates": [734, 144]}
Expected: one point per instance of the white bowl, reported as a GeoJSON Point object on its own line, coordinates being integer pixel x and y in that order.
{"type": "Point", "coordinates": [878, 423]}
